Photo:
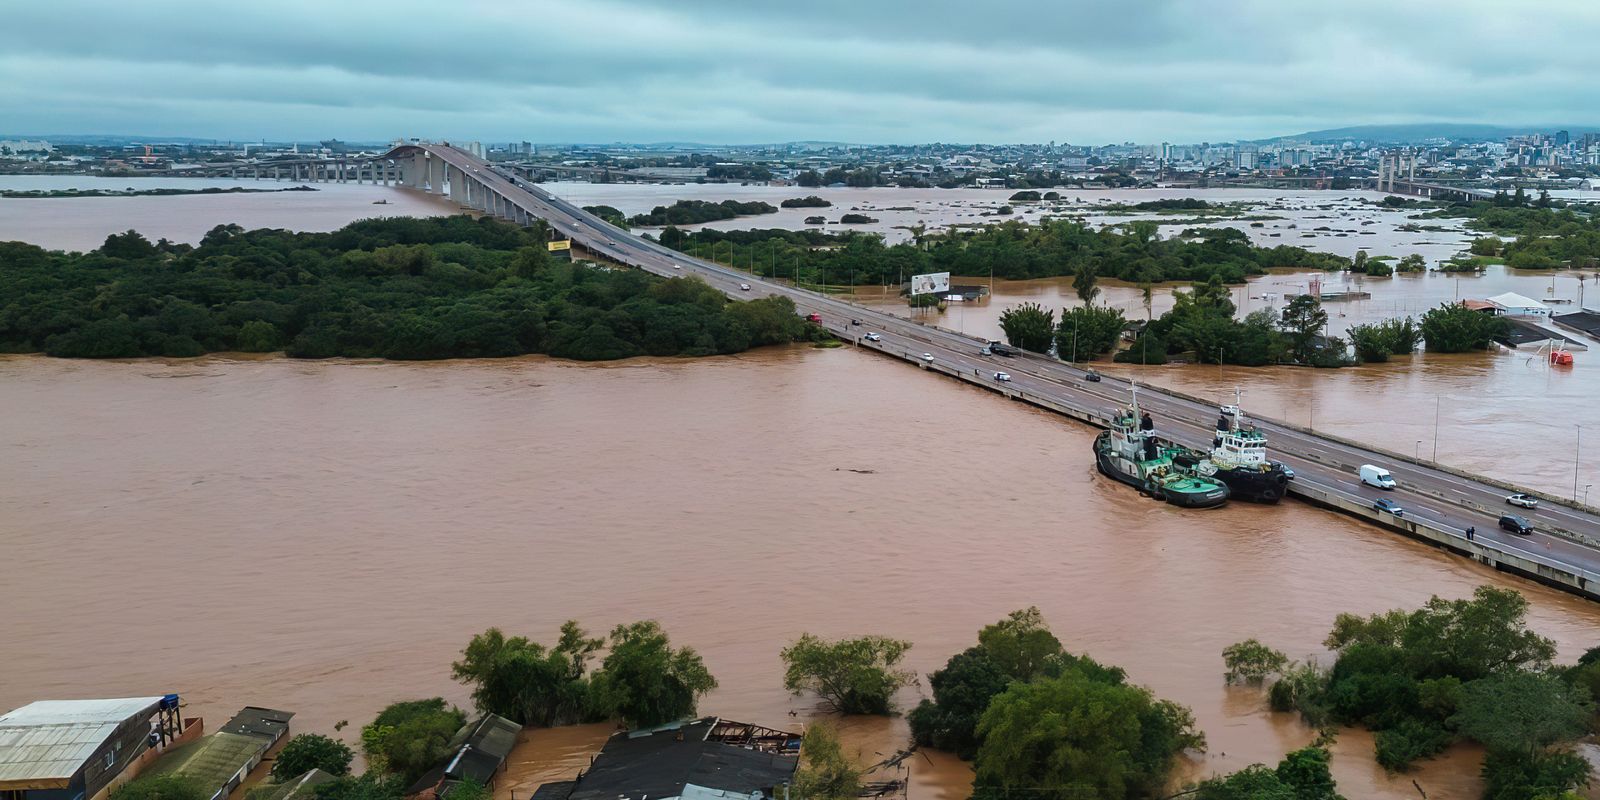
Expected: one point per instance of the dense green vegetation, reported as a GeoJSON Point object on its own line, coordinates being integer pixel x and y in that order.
{"type": "Point", "coordinates": [642, 680]}
{"type": "Point", "coordinates": [308, 751]}
{"type": "Point", "coordinates": [1010, 250]}
{"type": "Point", "coordinates": [856, 219]}
{"type": "Point", "coordinates": [689, 212]}
{"type": "Point", "coordinates": [1452, 670]}
{"type": "Point", "coordinates": [1088, 332]}
{"type": "Point", "coordinates": [1301, 775]}
{"type": "Point", "coordinates": [450, 287]}
{"type": "Point", "coordinates": [1173, 204]}
{"type": "Point", "coordinates": [610, 214]}
{"type": "Point", "coordinates": [1454, 328]}
{"type": "Point", "coordinates": [738, 172]}
{"type": "Point", "coordinates": [169, 786]}
{"type": "Point", "coordinates": [1547, 234]}
{"type": "Point", "coordinates": [1202, 324]}
{"type": "Point", "coordinates": [1029, 326]}
{"type": "Point", "coordinates": [809, 201]}
{"type": "Point", "coordinates": [132, 192]}
{"type": "Point", "coordinates": [1375, 342]}
{"type": "Point", "coordinates": [526, 683]}
{"type": "Point", "coordinates": [1041, 722]}
{"type": "Point", "coordinates": [408, 738]}
{"type": "Point", "coordinates": [851, 676]}
{"type": "Point", "coordinates": [370, 785]}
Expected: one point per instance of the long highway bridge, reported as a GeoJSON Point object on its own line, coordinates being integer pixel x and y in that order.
{"type": "Point", "coordinates": [1440, 503]}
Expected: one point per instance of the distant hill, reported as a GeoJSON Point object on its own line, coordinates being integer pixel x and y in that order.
{"type": "Point", "coordinates": [1416, 132]}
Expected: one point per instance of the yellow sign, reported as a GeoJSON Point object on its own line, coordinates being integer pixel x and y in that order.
{"type": "Point", "coordinates": [564, 244]}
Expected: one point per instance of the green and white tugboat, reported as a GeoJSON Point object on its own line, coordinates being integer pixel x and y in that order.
{"type": "Point", "coordinates": [1131, 452]}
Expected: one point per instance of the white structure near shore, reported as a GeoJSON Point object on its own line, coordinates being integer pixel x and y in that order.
{"type": "Point", "coordinates": [1512, 304]}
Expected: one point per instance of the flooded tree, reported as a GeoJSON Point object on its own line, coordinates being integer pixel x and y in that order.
{"type": "Point", "coordinates": [851, 676]}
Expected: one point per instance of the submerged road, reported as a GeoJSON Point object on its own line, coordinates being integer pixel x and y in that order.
{"type": "Point", "coordinates": [1437, 496]}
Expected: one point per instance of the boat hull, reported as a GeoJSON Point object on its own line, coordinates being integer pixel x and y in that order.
{"type": "Point", "coordinates": [1254, 485]}
{"type": "Point", "coordinates": [1112, 468]}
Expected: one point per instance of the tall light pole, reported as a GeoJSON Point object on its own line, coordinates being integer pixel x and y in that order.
{"type": "Point", "coordinates": [1416, 452]}
{"type": "Point", "coordinates": [1577, 451]}
{"type": "Point", "coordinates": [1436, 400]}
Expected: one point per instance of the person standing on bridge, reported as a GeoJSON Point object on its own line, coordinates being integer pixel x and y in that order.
{"type": "Point", "coordinates": [1470, 531]}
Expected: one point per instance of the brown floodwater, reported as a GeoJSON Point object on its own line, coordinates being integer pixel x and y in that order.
{"type": "Point", "coordinates": [83, 223]}
{"type": "Point", "coordinates": [324, 537]}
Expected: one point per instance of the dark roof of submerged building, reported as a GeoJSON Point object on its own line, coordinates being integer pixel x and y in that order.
{"type": "Point", "coordinates": [706, 757]}
{"type": "Point", "coordinates": [477, 752]}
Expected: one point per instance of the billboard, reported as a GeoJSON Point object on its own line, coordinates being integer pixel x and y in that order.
{"type": "Point", "coordinates": [562, 244]}
{"type": "Point", "coordinates": [932, 283]}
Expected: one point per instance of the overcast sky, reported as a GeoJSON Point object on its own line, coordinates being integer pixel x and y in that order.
{"type": "Point", "coordinates": [733, 71]}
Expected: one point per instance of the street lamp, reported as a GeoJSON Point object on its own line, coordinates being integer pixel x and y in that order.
{"type": "Point", "coordinates": [1577, 451]}
{"type": "Point", "coordinates": [1416, 452]}
{"type": "Point", "coordinates": [1586, 494]}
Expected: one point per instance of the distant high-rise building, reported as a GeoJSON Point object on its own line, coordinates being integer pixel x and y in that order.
{"type": "Point", "coordinates": [1562, 137]}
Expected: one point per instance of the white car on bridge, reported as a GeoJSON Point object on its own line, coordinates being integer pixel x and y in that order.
{"type": "Point", "coordinates": [1523, 500]}
{"type": "Point", "coordinates": [874, 337]}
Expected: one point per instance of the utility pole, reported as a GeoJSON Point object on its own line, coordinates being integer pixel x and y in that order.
{"type": "Point", "coordinates": [1577, 451]}
{"type": "Point", "coordinates": [1436, 400]}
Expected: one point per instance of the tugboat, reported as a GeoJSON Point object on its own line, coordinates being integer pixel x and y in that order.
{"type": "Point", "coordinates": [1239, 459]}
{"type": "Point", "coordinates": [1132, 453]}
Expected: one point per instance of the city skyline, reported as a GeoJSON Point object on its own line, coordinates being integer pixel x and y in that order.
{"type": "Point", "coordinates": [725, 73]}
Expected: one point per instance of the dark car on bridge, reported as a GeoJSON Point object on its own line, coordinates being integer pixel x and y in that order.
{"type": "Point", "coordinates": [1390, 506]}
{"type": "Point", "coordinates": [1516, 524]}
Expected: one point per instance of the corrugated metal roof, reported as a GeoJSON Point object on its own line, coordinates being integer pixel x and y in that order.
{"type": "Point", "coordinates": [45, 743]}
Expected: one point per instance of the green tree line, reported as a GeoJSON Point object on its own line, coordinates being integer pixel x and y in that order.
{"type": "Point", "coordinates": [1010, 250]}
{"type": "Point", "coordinates": [403, 288]}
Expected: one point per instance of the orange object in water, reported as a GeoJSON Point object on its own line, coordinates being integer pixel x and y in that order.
{"type": "Point", "coordinates": [1561, 357]}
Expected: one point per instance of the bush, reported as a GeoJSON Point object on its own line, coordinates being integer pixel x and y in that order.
{"type": "Point", "coordinates": [1079, 736]}
{"type": "Point", "coordinates": [961, 693]}
{"type": "Point", "coordinates": [1088, 332]}
{"type": "Point", "coordinates": [171, 786]}
{"type": "Point", "coordinates": [1412, 739]}
{"type": "Point", "coordinates": [644, 682]}
{"type": "Point", "coordinates": [308, 751]}
{"type": "Point", "coordinates": [1537, 776]}
{"type": "Point", "coordinates": [371, 785]}
{"type": "Point", "coordinates": [809, 201]}
{"type": "Point", "coordinates": [1029, 326]}
{"type": "Point", "coordinates": [409, 738]}
{"type": "Point", "coordinates": [1454, 328]}
{"type": "Point", "coordinates": [1147, 349]}
{"type": "Point", "coordinates": [525, 683]}
{"type": "Point", "coordinates": [853, 676]}
{"type": "Point", "coordinates": [1251, 661]}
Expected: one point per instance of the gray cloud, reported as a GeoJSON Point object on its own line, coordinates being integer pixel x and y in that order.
{"type": "Point", "coordinates": [747, 71]}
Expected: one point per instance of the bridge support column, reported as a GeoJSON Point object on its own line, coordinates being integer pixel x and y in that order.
{"type": "Point", "coordinates": [436, 176]}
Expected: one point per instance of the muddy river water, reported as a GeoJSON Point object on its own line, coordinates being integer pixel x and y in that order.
{"type": "Point", "coordinates": [324, 537]}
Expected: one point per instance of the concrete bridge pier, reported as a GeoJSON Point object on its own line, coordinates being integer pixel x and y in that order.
{"type": "Point", "coordinates": [436, 176]}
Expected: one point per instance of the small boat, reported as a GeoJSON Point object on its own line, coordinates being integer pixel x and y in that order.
{"type": "Point", "coordinates": [382, 202]}
{"type": "Point", "coordinates": [1132, 453]}
{"type": "Point", "coordinates": [1239, 459]}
